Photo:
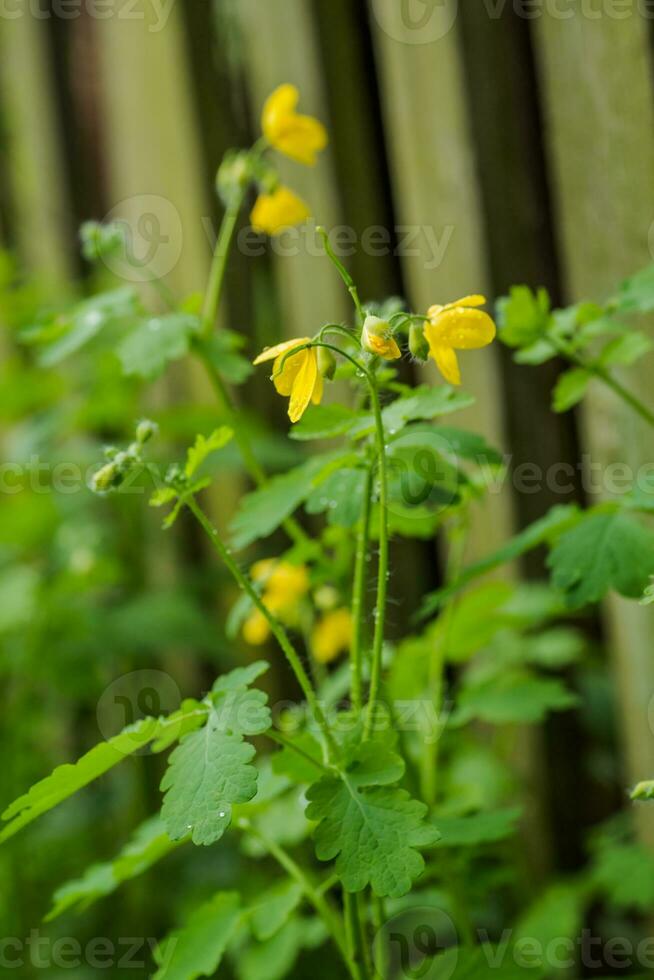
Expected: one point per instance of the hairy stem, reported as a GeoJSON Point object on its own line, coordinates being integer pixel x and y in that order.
{"type": "Point", "coordinates": [276, 627]}
{"type": "Point", "coordinates": [382, 573]}
{"type": "Point", "coordinates": [359, 593]}
{"type": "Point", "coordinates": [314, 895]}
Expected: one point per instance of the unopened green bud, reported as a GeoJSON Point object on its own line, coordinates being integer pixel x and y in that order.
{"type": "Point", "coordinates": [234, 174]}
{"type": "Point", "coordinates": [106, 478]}
{"type": "Point", "coordinates": [326, 363]}
{"type": "Point", "coordinates": [145, 430]}
{"type": "Point", "coordinates": [418, 342]}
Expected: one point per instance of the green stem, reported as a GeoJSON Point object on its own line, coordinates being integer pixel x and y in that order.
{"type": "Point", "coordinates": [219, 264]}
{"type": "Point", "coordinates": [314, 895]}
{"type": "Point", "coordinates": [561, 347]}
{"type": "Point", "coordinates": [437, 663]}
{"type": "Point", "coordinates": [289, 744]}
{"type": "Point", "coordinates": [276, 627]}
{"type": "Point", "coordinates": [353, 931]}
{"type": "Point", "coordinates": [359, 593]}
{"type": "Point", "coordinates": [382, 573]}
{"type": "Point", "coordinates": [342, 271]}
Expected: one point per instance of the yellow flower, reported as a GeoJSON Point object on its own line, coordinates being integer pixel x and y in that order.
{"type": "Point", "coordinates": [272, 213]}
{"type": "Point", "coordinates": [296, 377]}
{"type": "Point", "coordinates": [284, 585]}
{"type": "Point", "coordinates": [457, 326]}
{"type": "Point", "coordinates": [377, 338]}
{"type": "Point", "coordinates": [332, 635]}
{"type": "Point", "coordinates": [298, 137]}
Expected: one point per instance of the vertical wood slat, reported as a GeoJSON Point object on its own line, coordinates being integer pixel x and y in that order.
{"type": "Point", "coordinates": [596, 74]}
{"type": "Point", "coordinates": [280, 46]}
{"type": "Point", "coordinates": [436, 192]}
{"type": "Point", "coordinates": [35, 165]}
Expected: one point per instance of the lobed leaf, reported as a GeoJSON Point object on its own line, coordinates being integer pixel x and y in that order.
{"type": "Point", "coordinates": [197, 949]}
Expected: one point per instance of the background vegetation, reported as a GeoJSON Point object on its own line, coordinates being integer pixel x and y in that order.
{"type": "Point", "coordinates": [506, 150]}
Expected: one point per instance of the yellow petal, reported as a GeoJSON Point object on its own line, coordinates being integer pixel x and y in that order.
{"type": "Point", "coordinates": [272, 213]}
{"type": "Point", "coordinates": [270, 353]}
{"type": "Point", "coordinates": [286, 369]}
{"type": "Point", "coordinates": [318, 390]}
{"type": "Point", "coordinates": [460, 327]}
{"type": "Point", "coordinates": [277, 106]}
{"type": "Point", "coordinates": [332, 635]}
{"type": "Point", "coordinates": [256, 629]}
{"type": "Point", "coordinates": [446, 362]}
{"type": "Point", "coordinates": [298, 137]}
{"type": "Point", "coordinates": [385, 347]}
{"type": "Point", "coordinates": [465, 328]}
{"type": "Point", "coordinates": [303, 387]}
{"type": "Point", "coordinates": [474, 300]}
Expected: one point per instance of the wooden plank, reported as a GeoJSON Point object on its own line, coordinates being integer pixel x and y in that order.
{"type": "Point", "coordinates": [281, 46]}
{"type": "Point", "coordinates": [437, 197]}
{"type": "Point", "coordinates": [601, 144]}
{"type": "Point", "coordinates": [39, 199]}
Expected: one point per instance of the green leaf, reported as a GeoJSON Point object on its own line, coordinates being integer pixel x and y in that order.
{"type": "Point", "coordinates": [148, 845]}
{"type": "Point", "coordinates": [626, 349]}
{"type": "Point", "coordinates": [324, 422]}
{"type": "Point", "coordinates": [605, 550]}
{"type": "Point", "coordinates": [147, 350]}
{"type": "Point", "coordinates": [209, 771]}
{"type": "Point", "coordinates": [222, 349]}
{"type": "Point", "coordinates": [275, 957]}
{"type": "Point", "coordinates": [523, 316]}
{"type": "Point", "coordinates": [273, 908]}
{"type": "Point", "coordinates": [198, 948]}
{"type": "Point", "coordinates": [203, 447]}
{"type": "Point", "coordinates": [297, 765]}
{"type": "Point", "coordinates": [570, 389]}
{"type": "Point", "coordinates": [369, 826]}
{"type": "Point", "coordinates": [624, 873]}
{"type": "Point", "coordinates": [340, 496]}
{"type": "Point", "coordinates": [68, 779]}
{"type": "Point", "coordinates": [541, 531]}
{"type": "Point", "coordinates": [636, 294]}
{"type": "Point", "coordinates": [261, 512]}
{"type": "Point", "coordinates": [512, 698]}
{"type": "Point", "coordinates": [74, 330]}
{"type": "Point", "coordinates": [473, 829]}
{"type": "Point", "coordinates": [556, 915]}
{"type": "Point", "coordinates": [425, 402]}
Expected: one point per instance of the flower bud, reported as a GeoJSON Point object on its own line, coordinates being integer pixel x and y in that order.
{"type": "Point", "coordinates": [326, 363]}
{"type": "Point", "coordinates": [418, 342]}
{"type": "Point", "coordinates": [107, 477]}
{"type": "Point", "coordinates": [145, 430]}
{"type": "Point", "coordinates": [377, 339]}
{"type": "Point", "coordinates": [234, 175]}
{"type": "Point", "coordinates": [326, 598]}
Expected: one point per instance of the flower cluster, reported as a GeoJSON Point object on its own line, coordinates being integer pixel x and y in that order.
{"type": "Point", "coordinates": [298, 137]}
{"type": "Point", "coordinates": [460, 325]}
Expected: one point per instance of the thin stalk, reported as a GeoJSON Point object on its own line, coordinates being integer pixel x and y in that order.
{"type": "Point", "coordinates": [314, 895]}
{"type": "Point", "coordinates": [219, 263]}
{"type": "Point", "coordinates": [437, 664]}
{"type": "Point", "coordinates": [289, 744]}
{"type": "Point", "coordinates": [342, 271]}
{"type": "Point", "coordinates": [353, 931]}
{"type": "Point", "coordinates": [359, 593]}
{"type": "Point", "coordinates": [382, 573]}
{"type": "Point", "coordinates": [603, 375]}
{"type": "Point", "coordinates": [379, 946]}
{"type": "Point", "coordinates": [276, 627]}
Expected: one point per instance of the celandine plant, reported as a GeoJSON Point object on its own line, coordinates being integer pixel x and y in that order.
{"type": "Point", "coordinates": [381, 765]}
